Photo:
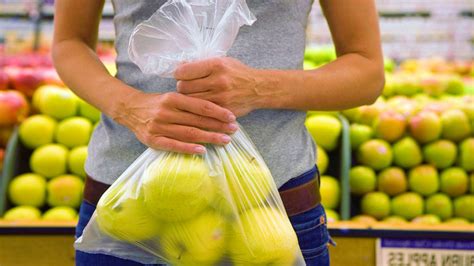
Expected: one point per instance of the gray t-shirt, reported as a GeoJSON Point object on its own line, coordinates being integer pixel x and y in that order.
{"type": "Point", "coordinates": [275, 41]}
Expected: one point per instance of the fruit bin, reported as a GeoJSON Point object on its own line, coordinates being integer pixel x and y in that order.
{"type": "Point", "coordinates": [339, 163]}
{"type": "Point", "coordinates": [343, 160]}
{"type": "Point", "coordinates": [15, 163]}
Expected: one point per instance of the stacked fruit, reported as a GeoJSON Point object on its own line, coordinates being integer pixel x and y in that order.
{"type": "Point", "coordinates": [58, 136]}
{"type": "Point", "coordinates": [414, 159]}
{"type": "Point", "coordinates": [326, 131]}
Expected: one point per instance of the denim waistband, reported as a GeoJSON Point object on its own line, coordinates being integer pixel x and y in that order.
{"type": "Point", "coordinates": [301, 179]}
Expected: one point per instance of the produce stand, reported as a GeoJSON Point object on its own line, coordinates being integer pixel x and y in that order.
{"type": "Point", "coordinates": [51, 244]}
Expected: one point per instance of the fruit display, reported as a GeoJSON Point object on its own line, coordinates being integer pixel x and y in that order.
{"type": "Point", "coordinates": [327, 129]}
{"type": "Point", "coordinates": [57, 138]}
{"type": "Point", "coordinates": [413, 149]}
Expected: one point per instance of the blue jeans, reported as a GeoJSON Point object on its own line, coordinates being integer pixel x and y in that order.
{"type": "Point", "coordinates": [310, 227]}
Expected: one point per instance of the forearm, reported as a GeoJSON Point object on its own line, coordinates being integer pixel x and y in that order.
{"type": "Point", "coordinates": [84, 73]}
{"type": "Point", "coordinates": [351, 80]}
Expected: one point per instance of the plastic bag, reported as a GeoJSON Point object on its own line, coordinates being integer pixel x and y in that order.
{"type": "Point", "coordinates": [186, 31]}
{"type": "Point", "coordinates": [220, 208]}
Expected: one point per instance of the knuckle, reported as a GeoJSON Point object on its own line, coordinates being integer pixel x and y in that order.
{"type": "Point", "coordinates": [218, 63]}
{"type": "Point", "coordinates": [192, 133]}
{"type": "Point", "coordinates": [207, 108]}
{"type": "Point", "coordinates": [169, 97]}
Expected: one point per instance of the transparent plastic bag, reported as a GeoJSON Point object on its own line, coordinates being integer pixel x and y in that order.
{"type": "Point", "coordinates": [220, 208]}
{"type": "Point", "coordinates": [186, 31]}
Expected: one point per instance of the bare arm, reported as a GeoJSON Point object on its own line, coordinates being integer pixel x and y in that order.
{"type": "Point", "coordinates": [163, 121]}
{"type": "Point", "coordinates": [355, 78]}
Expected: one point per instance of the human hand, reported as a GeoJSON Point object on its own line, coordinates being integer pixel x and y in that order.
{"type": "Point", "coordinates": [224, 81]}
{"type": "Point", "coordinates": [176, 122]}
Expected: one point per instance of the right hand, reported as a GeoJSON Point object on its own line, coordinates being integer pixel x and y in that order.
{"type": "Point", "coordinates": [176, 122]}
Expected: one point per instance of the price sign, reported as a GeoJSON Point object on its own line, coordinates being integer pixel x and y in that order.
{"type": "Point", "coordinates": [424, 252]}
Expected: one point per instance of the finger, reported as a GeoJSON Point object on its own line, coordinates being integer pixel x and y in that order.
{"type": "Point", "coordinates": [194, 70]}
{"type": "Point", "coordinates": [202, 122]}
{"type": "Point", "coordinates": [193, 135]}
{"type": "Point", "coordinates": [168, 144]}
{"type": "Point", "coordinates": [204, 108]}
{"type": "Point", "coordinates": [193, 86]}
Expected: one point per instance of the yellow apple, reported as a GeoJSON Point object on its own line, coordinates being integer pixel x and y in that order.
{"type": "Point", "coordinates": [177, 187]}
{"type": "Point", "coordinates": [198, 241]}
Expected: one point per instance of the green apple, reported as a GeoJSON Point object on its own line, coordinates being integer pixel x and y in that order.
{"type": "Point", "coordinates": [28, 189]}
{"type": "Point", "coordinates": [308, 65]}
{"type": "Point", "coordinates": [76, 160]}
{"type": "Point", "coordinates": [177, 187]}
{"type": "Point", "coordinates": [392, 181]}
{"type": "Point", "coordinates": [65, 190]}
{"type": "Point", "coordinates": [58, 102]}
{"type": "Point", "coordinates": [428, 219]}
{"type": "Point", "coordinates": [61, 213]}
{"type": "Point", "coordinates": [376, 154]}
{"type": "Point", "coordinates": [407, 153]}
{"type": "Point", "coordinates": [463, 207]}
{"type": "Point", "coordinates": [73, 132]}
{"type": "Point", "coordinates": [425, 127]}
{"type": "Point", "coordinates": [325, 130]}
{"type": "Point", "coordinates": [37, 130]}
{"type": "Point", "coordinates": [364, 219]}
{"type": "Point", "coordinates": [389, 126]}
{"type": "Point", "coordinates": [407, 205]}
{"type": "Point", "coordinates": [362, 180]}
{"type": "Point", "coordinates": [88, 111]}
{"type": "Point", "coordinates": [456, 125]}
{"type": "Point", "coordinates": [395, 220]}
{"type": "Point", "coordinates": [454, 85]}
{"type": "Point", "coordinates": [423, 179]}
{"type": "Point", "coordinates": [466, 154]}
{"type": "Point", "coordinates": [39, 93]}
{"type": "Point", "coordinates": [454, 181]}
{"type": "Point", "coordinates": [441, 153]}
{"type": "Point", "coordinates": [249, 244]}
{"type": "Point", "coordinates": [359, 134]}
{"type": "Point", "coordinates": [22, 213]}
{"type": "Point", "coordinates": [389, 65]}
{"type": "Point", "coordinates": [330, 192]}
{"type": "Point", "coordinates": [249, 182]}
{"type": "Point", "coordinates": [457, 221]}
{"type": "Point", "coordinates": [332, 216]}
{"type": "Point", "coordinates": [322, 160]}
{"type": "Point", "coordinates": [49, 160]}
{"type": "Point", "coordinates": [198, 241]}
{"type": "Point", "coordinates": [376, 204]}
{"type": "Point", "coordinates": [439, 205]}
{"type": "Point", "coordinates": [471, 178]}
{"type": "Point", "coordinates": [125, 217]}
{"type": "Point", "coordinates": [352, 114]}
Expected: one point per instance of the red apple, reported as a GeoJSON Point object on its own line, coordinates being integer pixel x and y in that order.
{"type": "Point", "coordinates": [425, 126]}
{"type": "Point", "coordinates": [390, 126]}
{"type": "Point", "coordinates": [5, 133]}
{"type": "Point", "coordinates": [26, 80]}
{"type": "Point", "coordinates": [13, 107]}
{"type": "Point", "coordinates": [3, 80]}
{"type": "Point", "coordinates": [51, 77]}
{"type": "Point", "coordinates": [2, 155]}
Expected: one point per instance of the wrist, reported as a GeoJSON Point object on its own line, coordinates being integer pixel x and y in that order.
{"type": "Point", "coordinates": [121, 98]}
{"type": "Point", "coordinates": [270, 90]}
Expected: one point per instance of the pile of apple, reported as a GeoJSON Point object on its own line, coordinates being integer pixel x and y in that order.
{"type": "Point", "coordinates": [326, 130]}
{"type": "Point", "coordinates": [414, 159]}
{"type": "Point", "coordinates": [177, 209]}
{"type": "Point", "coordinates": [434, 77]}
{"type": "Point", "coordinates": [58, 136]}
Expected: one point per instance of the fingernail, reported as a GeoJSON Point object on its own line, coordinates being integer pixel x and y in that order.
{"type": "Point", "coordinates": [225, 139]}
{"type": "Point", "coordinates": [233, 127]}
{"type": "Point", "coordinates": [231, 117]}
{"type": "Point", "coordinates": [200, 149]}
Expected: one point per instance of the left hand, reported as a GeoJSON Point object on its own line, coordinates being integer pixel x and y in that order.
{"type": "Point", "coordinates": [224, 81]}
